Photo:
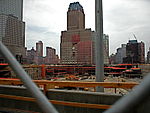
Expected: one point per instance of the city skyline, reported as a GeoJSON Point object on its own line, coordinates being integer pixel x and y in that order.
{"type": "Point", "coordinates": [121, 19]}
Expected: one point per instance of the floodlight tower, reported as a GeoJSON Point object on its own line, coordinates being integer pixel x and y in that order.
{"type": "Point", "coordinates": [99, 43]}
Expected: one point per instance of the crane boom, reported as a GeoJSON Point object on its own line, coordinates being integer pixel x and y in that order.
{"type": "Point", "coordinates": [134, 36]}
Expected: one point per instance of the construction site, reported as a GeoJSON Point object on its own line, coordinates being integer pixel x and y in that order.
{"type": "Point", "coordinates": [58, 82]}
{"type": "Point", "coordinates": [116, 73]}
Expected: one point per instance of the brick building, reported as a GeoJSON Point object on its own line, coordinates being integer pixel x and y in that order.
{"type": "Point", "coordinates": [77, 43]}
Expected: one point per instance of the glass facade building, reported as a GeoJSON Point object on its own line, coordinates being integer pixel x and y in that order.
{"type": "Point", "coordinates": [12, 7]}
{"type": "Point", "coordinates": [12, 28]}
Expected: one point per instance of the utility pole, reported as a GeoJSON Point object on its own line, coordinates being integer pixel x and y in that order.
{"type": "Point", "coordinates": [99, 52]}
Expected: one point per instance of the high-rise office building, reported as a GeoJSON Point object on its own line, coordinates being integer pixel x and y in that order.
{"type": "Point", "coordinates": [121, 53]}
{"type": "Point", "coordinates": [75, 17]}
{"type": "Point", "coordinates": [106, 48]}
{"type": "Point", "coordinates": [141, 52]}
{"type": "Point", "coordinates": [135, 52]}
{"type": "Point", "coordinates": [77, 43]}
{"type": "Point", "coordinates": [31, 55]}
{"type": "Point", "coordinates": [12, 7]}
{"type": "Point", "coordinates": [39, 48]}
{"type": "Point", "coordinates": [51, 57]}
{"type": "Point", "coordinates": [12, 28]}
{"type": "Point", "coordinates": [39, 52]}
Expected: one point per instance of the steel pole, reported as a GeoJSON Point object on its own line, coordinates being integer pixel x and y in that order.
{"type": "Point", "coordinates": [99, 52]}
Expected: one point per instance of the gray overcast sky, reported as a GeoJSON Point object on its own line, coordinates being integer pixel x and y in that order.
{"type": "Point", "coordinates": [45, 19]}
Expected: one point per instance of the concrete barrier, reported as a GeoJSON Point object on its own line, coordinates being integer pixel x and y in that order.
{"type": "Point", "coordinates": [81, 97]}
{"type": "Point", "coordinates": [20, 106]}
{"type": "Point", "coordinates": [59, 95]}
{"type": "Point", "coordinates": [17, 104]}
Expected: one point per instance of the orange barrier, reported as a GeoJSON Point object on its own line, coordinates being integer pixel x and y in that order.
{"type": "Point", "coordinates": [46, 84]}
{"type": "Point", "coordinates": [43, 71]}
{"type": "Point", "coordinates": [65, 103]}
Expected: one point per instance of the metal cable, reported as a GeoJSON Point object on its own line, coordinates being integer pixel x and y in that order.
{"type": "Point", "coordinates": [42, 101]}
{"type": "Point", "coordinates": [133, 99]}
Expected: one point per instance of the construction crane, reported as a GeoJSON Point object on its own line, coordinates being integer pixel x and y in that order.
{"type": "Point", "coordinates": [134, 36]}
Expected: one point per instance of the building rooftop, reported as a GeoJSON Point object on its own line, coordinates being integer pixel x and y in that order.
{"type": "Point", "coordinates": [133, 41]}
{"type": "Point", "coordinates": [75, 6]}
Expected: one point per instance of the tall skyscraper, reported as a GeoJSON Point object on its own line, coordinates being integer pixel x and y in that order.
{"type": "Point", "coordinates": [77, 43]}
{"type": "Point", "coordinates": [12, 28]}
{"type": "Point", "coordinates": [75, 17]}
{"type": "Point", "coordinates": [39, 48]}
{"type": "Point", "coordinates": [12, 7]}
{"type": "Point", "coordinates": [39, 52]}
{"type": "Point", "coordinates": [106, 48]}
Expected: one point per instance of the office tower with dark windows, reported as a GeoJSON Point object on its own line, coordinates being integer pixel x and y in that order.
{"type": "Point", "coordinates": [135, 52]}
{"type": "Point", "coordinates": [12, 28]}
{"type": "Point", "coordinates": [77, 43]}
